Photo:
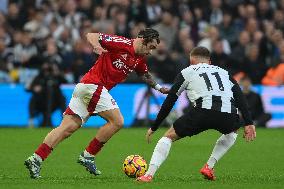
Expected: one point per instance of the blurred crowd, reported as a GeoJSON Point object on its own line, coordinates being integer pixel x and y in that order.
{"type": "Point", "coordinates": [244, 36]}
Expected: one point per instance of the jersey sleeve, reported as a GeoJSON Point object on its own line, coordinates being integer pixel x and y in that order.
{"type": "Point", "coordinates": [114, 43]}
{"type": "Point", "coordinates": [142, 67]}
{"type": "Point", "coordinates": [177, 88]}
{"type": "Point", "coordinates": [241, 102]}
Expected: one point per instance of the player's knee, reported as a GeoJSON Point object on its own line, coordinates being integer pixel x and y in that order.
{"type": "Point", "coordinates": [68, 131]}
{"type": "Point", "coordinates": [171, 134]}
{"type": "Point", "coordinates": [228, 139]}
{"type": "Point", "coordinates": [117, 123]}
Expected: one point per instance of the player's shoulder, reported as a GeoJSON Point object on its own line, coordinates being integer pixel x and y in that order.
{"type": "Point", "coordinates": [115, 38]}
{"type": "Point", "coordinates": [215, 68]}
{"type": "Point", "coordinates": [191, 68]}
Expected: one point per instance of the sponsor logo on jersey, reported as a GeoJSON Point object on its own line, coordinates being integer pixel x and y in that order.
{"type": "Point", "coordinates": [121, 40]}
{"type": "Point", "coordinates": [121, 66]}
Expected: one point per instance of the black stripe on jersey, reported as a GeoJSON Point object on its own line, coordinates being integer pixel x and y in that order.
{"type": "Point", "coordinates": [216, 103]}
{"type": "Point", "coordinates": [198, 102]}
{"type": "Point", "coordinates": [233, 107]}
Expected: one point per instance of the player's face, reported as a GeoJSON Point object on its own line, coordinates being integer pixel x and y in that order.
{"type": "Point", "coordinates": [146, 49]}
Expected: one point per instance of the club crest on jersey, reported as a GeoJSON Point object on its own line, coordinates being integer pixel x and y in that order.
{"type": "Point", "coordinates": [124, 56]}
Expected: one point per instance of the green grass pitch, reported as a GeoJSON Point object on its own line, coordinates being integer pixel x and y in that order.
{"type": "Point", "coordinates": [255, 165]}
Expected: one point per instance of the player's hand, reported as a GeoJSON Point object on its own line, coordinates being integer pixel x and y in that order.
{"type": "Point", "coordinates": [249, 133]}
{"type": "Point", "coordinates": [148, 135]}
{"type": "Point", "coordinates": [99, 50]}
{"type": "Point", "coordinates": [164, 90]}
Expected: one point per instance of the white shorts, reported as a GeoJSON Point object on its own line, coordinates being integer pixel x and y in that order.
{"type": "Point", "coordinates": [89, 99]}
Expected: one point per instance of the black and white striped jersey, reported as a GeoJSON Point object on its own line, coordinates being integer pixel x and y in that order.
{"type": "Point", "coordinates": [208, 87]}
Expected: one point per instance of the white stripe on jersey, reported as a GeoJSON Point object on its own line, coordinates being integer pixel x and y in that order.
{"type": "Point", "coordinates": [207, 81]}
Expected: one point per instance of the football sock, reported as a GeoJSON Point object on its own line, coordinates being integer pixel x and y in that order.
{"type": "Point", "coordinates": [223, 144]}
{"type": "Point", "coordinates": [37, 157]}
{"type": "Point", "coordinates": [87, 154]}
{"type": "Point", "coordinates": [94, 146]}
{"type": "Point", "coordinates": [160, 154]}
{"type": "Point", "coordinates": [43, 151]}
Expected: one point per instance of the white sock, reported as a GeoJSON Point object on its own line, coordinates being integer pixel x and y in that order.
{"type": "Point", "coordinates": [160, 154]}
{"type": "Point", "coordinates": [37, 157]}
{"type": "Point", "coordinates": [87, 154]}
{"type": "Point", "coordinates": [223, 144]}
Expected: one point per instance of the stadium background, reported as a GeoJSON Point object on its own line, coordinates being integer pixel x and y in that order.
{"type": "Point", "coordinates": [245, 37]}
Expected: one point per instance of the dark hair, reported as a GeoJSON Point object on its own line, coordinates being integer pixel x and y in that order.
{"type": "Point", "coordinates": [200, 51]}
{"type": "Point", "coordinates": [149, 35]}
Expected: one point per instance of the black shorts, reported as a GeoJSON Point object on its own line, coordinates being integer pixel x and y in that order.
{"type": "Point", "coordinates": [198, 120]}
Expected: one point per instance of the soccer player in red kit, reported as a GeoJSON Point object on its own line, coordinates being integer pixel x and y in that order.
{"type": "Point", "coordinates": [119, 56]}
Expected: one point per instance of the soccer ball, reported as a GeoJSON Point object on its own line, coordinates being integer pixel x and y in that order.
{"type": "Point", "coordinates": [134, 166]}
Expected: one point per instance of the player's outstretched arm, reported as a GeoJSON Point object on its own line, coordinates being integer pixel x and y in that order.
{"type": "Point", "coordinates": [93, 38]}
{"type": "Point", "coordinates": [148, 78]}
{"type": "Point", "coordinates": [178, 86]}
{"type": "Point", "coordinates": [241, 103]}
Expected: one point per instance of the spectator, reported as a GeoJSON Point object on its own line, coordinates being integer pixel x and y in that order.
{"type": "Point", "coordinates": [238, 22]}
{"type": "Point", "coordinates": [255, 105]}
{"type": "Point", "coordinates": [149, 12]}
{"type": "Point", "coordinates": [167, 68]}
{"type": "Point", "coordinates": [227, 29]}
{"type": "Point", "coordinates": [189, 23]}
{"type": "Point", "coordinates": [182, 59]}
{"type": "Point", "coordinates": [14, 19]}
{"type": "Point", "coordinates": [121, 25]}
{"type": "Point", "coordinates": [219, 57]}
{"type": "Point", "coordinates": [213, 34]}
{"type": "Point", "coordinates": [239, 52]}
{"type": "Point", "coordinates": [264, 10]}
{"type": "Point", "coordinates": [167, 28]}
{"type": "Point", "coordinates": [278, 18]}
{"type": "Point", "coordinates": [274, 76]}
{"type": "Point", "coordinates": [214, 14]}
{"type": "Point", "coordinates": [51, 54]}
{"type": "Point", "coordinates": [46, 94]}
{"type": "Point", "coordinates": [254, 67]}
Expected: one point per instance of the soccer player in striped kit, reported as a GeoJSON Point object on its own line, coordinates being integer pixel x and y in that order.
{"type": "Point", "coordinates": [216, 99]}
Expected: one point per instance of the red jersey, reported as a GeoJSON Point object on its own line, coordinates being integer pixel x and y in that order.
{"type": "Point", "coordinates": [113, 66]}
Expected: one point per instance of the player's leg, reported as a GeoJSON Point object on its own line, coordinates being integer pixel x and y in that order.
{"type": "Point", "coordinates": [223, 144]}
{"type": "Point", "coordinates": [186, 125]}
{"type": "Point", "coordinates": [160, 154]}
{"type": "Point", "coordinates": [69, 125]}
{"type": "Point", "coordinates": [228, 127]}
{"type": "Point", "coordinates": [114, 123]}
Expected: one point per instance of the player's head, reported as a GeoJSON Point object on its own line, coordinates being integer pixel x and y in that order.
{"type": "Point", "coordinates": [199, 55]}
{"type": "Point", "coordinates": [146, 41]}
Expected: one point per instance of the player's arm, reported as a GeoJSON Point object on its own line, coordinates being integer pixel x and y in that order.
{"type": "Point", "coordinates": [148, 78]}
{"type": "Point", "coordinates": [241, 103]}
{"type": "Point", "coordinates": [94, 39]}
{"type": "Point", "coordinates": [177, 88]}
